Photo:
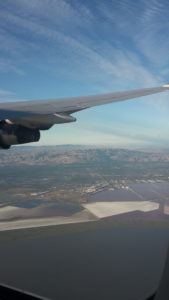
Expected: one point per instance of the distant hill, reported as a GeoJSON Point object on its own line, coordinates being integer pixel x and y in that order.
{"type": "Point", "coordinates": [68, 154]}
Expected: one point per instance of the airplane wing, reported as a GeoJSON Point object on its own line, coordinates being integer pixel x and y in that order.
{"type": "Point", "coordinates": [21, 121]}
{"type": "Point", "coordinates": [8, 292]}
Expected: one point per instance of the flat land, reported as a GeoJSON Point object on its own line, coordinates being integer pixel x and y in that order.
{"type": "Point", "coordinates": [84, 216]}
{"type": "Point", "coordinates": [106, 209]}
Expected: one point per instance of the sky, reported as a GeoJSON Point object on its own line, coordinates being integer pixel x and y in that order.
{"type": "Point", "coordinates": [61, 48]}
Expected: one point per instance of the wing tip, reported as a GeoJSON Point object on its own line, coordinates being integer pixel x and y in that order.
{"type": "Point", "coordinates": [166, 85]}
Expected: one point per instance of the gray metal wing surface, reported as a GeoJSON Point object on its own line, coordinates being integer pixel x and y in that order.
{"type": "Point", "coordinates": [68, 105]}
{"type": "Point", "coordinates": [21, 122]}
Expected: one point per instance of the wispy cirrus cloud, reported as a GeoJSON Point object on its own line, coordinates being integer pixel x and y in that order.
{"type": "Point", "coordinates": [143, 24]}
{"type": "Point", "coordinates": [8, 96]}
{"type": "Point", "coordinates": [94, 56]}
{"type": "Point", "coordinates": [7, 65]}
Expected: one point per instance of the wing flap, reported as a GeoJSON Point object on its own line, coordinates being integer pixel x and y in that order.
{"type": "Point", "coordinates": [42, 122]}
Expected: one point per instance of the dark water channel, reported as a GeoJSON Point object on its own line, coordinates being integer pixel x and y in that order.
{"type": "Point", "coordinates": [115, 263]}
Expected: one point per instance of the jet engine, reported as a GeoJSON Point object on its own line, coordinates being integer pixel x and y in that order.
{"type": "Point", "coordinates": [13, 134]}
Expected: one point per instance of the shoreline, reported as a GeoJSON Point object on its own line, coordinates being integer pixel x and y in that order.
{"type": "Point", "coordinates": [81, 217]}
{"type": "Point", "coordinates": [91, 212]}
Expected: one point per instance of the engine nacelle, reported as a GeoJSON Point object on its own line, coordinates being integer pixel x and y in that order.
{"type": "Point", "coordinates": [12, 134]}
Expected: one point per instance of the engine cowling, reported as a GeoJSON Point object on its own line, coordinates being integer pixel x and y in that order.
{"type": "Point", "coordinates": [12, 134]}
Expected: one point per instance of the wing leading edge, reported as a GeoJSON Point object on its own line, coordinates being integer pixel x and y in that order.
{"type": "Point", "coordinates": [20, 119]}
{"type": "Point", "coordinates": [66, 105]}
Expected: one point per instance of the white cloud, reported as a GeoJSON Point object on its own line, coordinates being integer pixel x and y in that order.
{"type": "Point", "coordinates": [54, 12]}
{"type": "Point", "coordinates": [143, 24]}
{"type": "Point", "coordinates": [29, 39]}
{"type": "Point", "coordinates": [8, 96]}
{"type": "Point", "coordinates": [7, 65]}
{"type": "Point", "coordinates": [117, 64]}
{"type": "Point", "coordinates": [5, 93]}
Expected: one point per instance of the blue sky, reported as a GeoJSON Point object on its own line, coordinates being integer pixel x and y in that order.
{"type": "Point", "coordinates": [61, 48]}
